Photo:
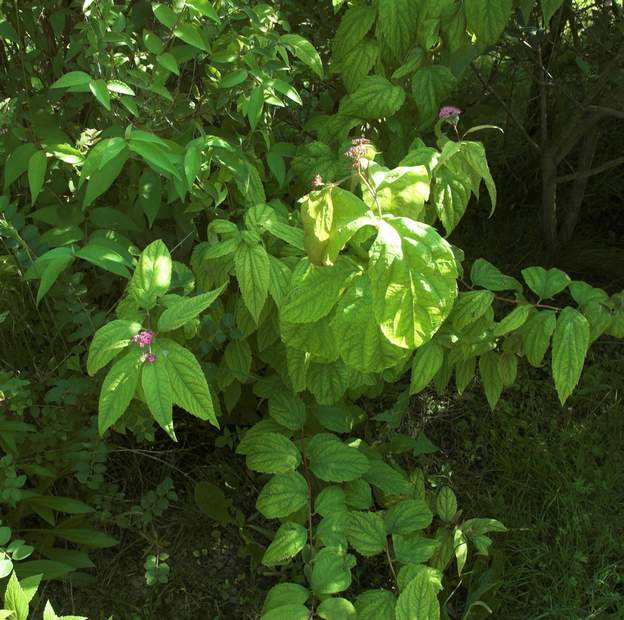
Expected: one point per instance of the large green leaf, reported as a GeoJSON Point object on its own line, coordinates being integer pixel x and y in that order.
{"type": "Point", "coordinates": [304, 51]}
{"type": "Point", "coordinates": [486, 275]}
{"type": "Point", "coordinates": [271, 453]}
{"type": "Point", "coordinates": [356, 22]}
{"type": "Point", "coordinates": [545, 283]}
{"type": "Point", "coordinates": [356, 65]}
{"type": "Point", "coordinates": [366, 533]}
{"type": "Point", "coordinates": [490, 377]}
{"type": "Point", "coordinates": [375, 605]}
{"type": "Point", "coordinates": [287, 409]}
{"type": "Point", "coordinates": [536, 334]}
{"type": "Point", "coordinates": [285, 594]}
{"type": "Point", "coordinates": [425, 366]}
{"type": "Point", "coordinates": [152, 277]}
{"type": "Point", "coordinates": [158, 391]}
{"type": "Point", "coordinates": [292, 612]}
{"type": "Point", "coordinates": [283, 495]}
{"type": "Point", "coordinates": [450, 196]}
{"type": "Point", "coordinates": [17, 162]}
{"type": "Point", "coordinates": [314, 291]}
{"type": "Point", "coordinates": [188, 383]}
{"type": "Point", "coordinates": [413, 273]}
{"type": "Point", "coordinates": [431, 85]}
{"type": "Point", "coordinates": [108, 341]}
{"type": "Point", "coordinates": [328, 382]}
{"type": "Point", "coordinates": [402, 191]}
{"type": "Point", "coordinates": [361, 343]}
{"type": "Point", "coordinates": [331, 570]}
{"type": "Point", "coordinates": [408, 517]}
{"type": "Point", "coordinates": [487, 18]}
{"type": "Point", "coordinates": [396, 23]}
{"type": "Point", "coordinates": [374, 98]}
{"type": "Point", "coordinates": [252, 266]}
{"type": "Point", "coordinates": [289, 540]}
{"type": "Point", "coordinates": [336, 608]}
{"type": "Point", "coordinates": [570, 344]}
{"type": "Point", "coordinates": [333, 461]}
{"type": "Point", "coordinates": [15, 599]}
{"type": "Point", "coordinates": [186, 309]}
{"type": "Point", "coordinates": [419, 598]}
{"type": "Point", "coordinates": [118, 389]}
{"type": "Point", "coordinates": [549, 8]}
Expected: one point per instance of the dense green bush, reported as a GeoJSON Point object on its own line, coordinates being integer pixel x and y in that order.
{"type": "Point", "coordinates": [203, 212]}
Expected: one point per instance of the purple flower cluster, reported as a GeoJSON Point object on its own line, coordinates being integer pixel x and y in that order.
{"type": "Point", "coordinates": [150, 358]}
{"type": "Point", "coordinates": [144, 338]}
{"type": "Point", "coordinates": [359, 149]}
{"type": "Point", "coordinates": [449, 111]}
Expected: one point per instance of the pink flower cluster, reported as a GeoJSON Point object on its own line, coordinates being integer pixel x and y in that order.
{"type": "Point", "coordinates": [144, 338]}
{"type": "Point", "coordinates": [449, 111]}
{"type": "Point", "coordinates": [150, 358]}
{"type": "Point", "coordinates": [358, 150]}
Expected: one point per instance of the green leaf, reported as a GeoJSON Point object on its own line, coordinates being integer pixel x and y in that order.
{"type": "Point", "coordinates": [413, 272]}
{"type": "Point", "coordinates": [304, 51]}
{"type": "Point", "coordinates": [331, 570]}
{"type": "Point", "coordinates": [470, 307]}
{"type": "Point", "coordinates": [329, 501]}
{"type": "Point", "coordinates": [412, 62]}
{"type": "Point", "coordinates": [84, 536]}
{"type": "Point", "coordinates": [336, 609]}
{"type": "Point", "coordinates": [374, 98]}
{"type": "Point", "coordinates": [545, 283]}
{"type": "Point", "coordinates": [570, 344]}
{"type": "Point", "coordinates": [152, 42]}
{"type": "Point", "coordinates": [536, 334]}
{"type": "Point", "coordinates": [168, 61]}
{"type": "Point", "coordinates": [285, 594]}
{"type": "Point", "coordinates": [584, 294]}
{"type": "Point", "coordinates": [105, 258]}
{"type": "Point", "coordinates": [192, 164]}
{"type": "Point", "coordinates": [17, 163]}
{"type": "Point", "coordinates": [490, 377]}
{"type": "Point", "coordinates": [314, 291]}
{"type": "Point", "coordinates": [100, 92]}
{"type": "Point", "coordinates": [387, 479]}
{"type": "Point", "coordinates": [358, 494]}
{"type": "Point", "coordinates": [402, 191]}
{"type": "Point", "coordinates": [152, 276]}
{"type": "Point", "coordinates": [188, 382]}
{"type": "Point", "coordinates": [292, 612]}
{"type": "Point", "coordinates": [51, 272]}
{"type": "Point", "coordinates": [486, 275]}
{"type": "Point", "coordinates": [425, 366]}
{"type": "Point", "coordinates": [271, 453]}
{"type": "Point", "coordinates": [103, 178]}
{"type": "Point", "coordinates": [331, 531]}
{"type": "Point", "coordinates": [192, 35]}
{"type": "Point", "coordinates": [72, 79]}
{"type": "Point", "coordinates": [431, 85]}
{"type": "Point", "coordinates": [549, 8]}
{"type": "Point", "coordinates": [118, 390]}
{"type": "Point", "coordinates": [60, 504]}
{"type": "Point", "coordinates": [205, 8]}
{"type": "Point", "coordinates": [340, 417]}
{"type": "Point", "coordinates": [287, 409]}
{"type": "Point", "coordinates": [251, 262]}
{"type": "Point", "coordinates": [164, 15]}
{"type": "Point", "coordinates": [366, 533]}
{"type": "Point", "coordinates": [108, 341]}
{"type": "Point", "coordinates": [333, 461]}
{"type": "Point", "coordinates": [15, 599]}
{"type": "Point", "coordinates": [419, 598]}
{"type": "Point", "coordinates": [158, 392]}
{"type": "Point", "coordinates": [514, 320]}
{"type": "Point", "coordinates": [289, 540]}
{"type": "Point", "coordinates": [414, 548]}
{"type": "Point", "coordinates": [186, 310]}
{"type": "Point", "coordinates": [361, 343]}
{"type": "Point", "coordinates": [487, 18]}
{"type": "Point", "coordinates": [157, 156]}
{"type": "Point", "coordinates": [234, 78]}
{"type": "Point", "coordinates": [37, 167]}
{"type": "Point", "coordinates": [357, 64]}
{"type": "Point", "coordinates": [396, 24]}
{"type": "Point", "coordinates": [150, 194]}
{"type": "Point", "coordinates": [375, 605]}
{"type": "Point", "coordinates": [408, 516]}
{"type": "Point", "coordinates": [283, 495]}
{"type": "Point", "coordinates": [237, 357]}
{"type": "Point", "coordinates": [446, 504]}
{"type": "Point", "coordinates": [356, 22]}
{"type": "Point", "coordinates": [119, 87]}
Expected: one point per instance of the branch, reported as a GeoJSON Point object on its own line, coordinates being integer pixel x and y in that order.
{"type": "Point", "coordinates": [509, 111]}
{"type": "Point", "coordinates": [590, 173]}
{"type": "Point", "coordinates": [606, 111]}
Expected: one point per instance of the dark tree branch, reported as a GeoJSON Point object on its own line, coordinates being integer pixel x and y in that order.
{"type": "Point", "coordinates": [590, 173]}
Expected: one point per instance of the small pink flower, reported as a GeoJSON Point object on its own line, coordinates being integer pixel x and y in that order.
{"type": "Point", "coordinates": [150, 358]}
{"type": "Point", "coordinates": [144, 338]}
{"type": "Point", "coordinates": [317, 181]}
{"type": "Point", "coordinates": [360, 141]}
{"type": "Point", "coordinates": [449, 111]}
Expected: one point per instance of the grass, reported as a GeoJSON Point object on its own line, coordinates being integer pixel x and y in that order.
{"type": "Point", "coordinates": [555, 477]}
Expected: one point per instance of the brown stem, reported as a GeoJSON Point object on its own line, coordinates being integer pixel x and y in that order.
{"type": "Point", "coordinates": [391, 564]}
{"type": "Point", "coordinates": [306, 471]}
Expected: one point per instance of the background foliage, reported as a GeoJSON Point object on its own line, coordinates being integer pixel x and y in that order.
{"type": "Point", "coordinates": [253, 213]}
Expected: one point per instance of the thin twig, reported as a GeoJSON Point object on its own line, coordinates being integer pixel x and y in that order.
{"type": "Point", "coordinates": [590, 173]}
